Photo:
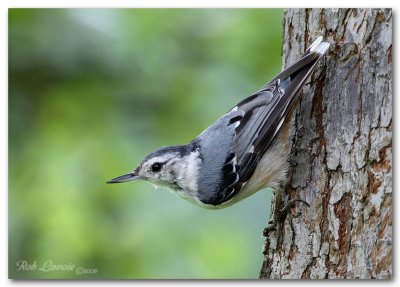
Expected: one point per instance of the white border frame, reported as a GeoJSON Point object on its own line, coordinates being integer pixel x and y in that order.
{"type": "Point", "coordinates": [5, 4]}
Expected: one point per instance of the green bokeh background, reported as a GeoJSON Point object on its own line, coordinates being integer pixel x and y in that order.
{"type": "Point", "coordinates": [92, 91]}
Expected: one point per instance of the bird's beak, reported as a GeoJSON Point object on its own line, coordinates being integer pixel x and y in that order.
{"type": "Point", "coordinates": [124, 178]}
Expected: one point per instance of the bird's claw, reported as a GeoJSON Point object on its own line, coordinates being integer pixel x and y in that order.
{"type": "Point", "coordinates": [280, 214]}
{"type": "Point", "coordinates": [271, 226]}
{"type": "Point", "coordinates": [291, 203]}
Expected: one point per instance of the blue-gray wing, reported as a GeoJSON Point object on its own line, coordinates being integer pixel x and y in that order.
{"type": "Point", "coordinates": [258, 118]}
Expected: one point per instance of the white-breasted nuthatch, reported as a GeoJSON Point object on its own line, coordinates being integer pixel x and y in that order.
{"type": "Point", "coordinates": [242, 152]}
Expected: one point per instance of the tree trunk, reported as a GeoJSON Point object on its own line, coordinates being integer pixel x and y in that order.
{"type": "Point", "coordinates": [341, 158]}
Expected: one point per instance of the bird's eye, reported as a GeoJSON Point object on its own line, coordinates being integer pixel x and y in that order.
{"type": "Point", "coordinates": [156, 167]}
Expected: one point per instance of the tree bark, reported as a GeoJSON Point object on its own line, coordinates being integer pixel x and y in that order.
{"type": "Point", "coordinates": [341, 158]}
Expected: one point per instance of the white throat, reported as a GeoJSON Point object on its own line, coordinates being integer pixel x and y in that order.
{"type": "Point", "coordinates": [188, 171]}
{"type": "Point", "coordinates": [187, 176]}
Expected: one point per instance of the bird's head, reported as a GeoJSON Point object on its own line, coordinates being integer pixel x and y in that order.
{"type": "Point", "coordinates": [165, 166]}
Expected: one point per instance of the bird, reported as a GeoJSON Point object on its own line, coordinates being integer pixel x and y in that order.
{"type": "Point", "coordinates": [242, 152]}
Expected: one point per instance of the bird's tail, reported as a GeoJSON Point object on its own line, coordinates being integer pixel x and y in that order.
{"type": "Point", "coordinates": [292, 79]}
{"type": "Point", "coordinates": [301, 69]}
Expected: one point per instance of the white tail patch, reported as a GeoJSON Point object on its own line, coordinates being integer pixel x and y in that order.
{"type": "Point", "coordinates": [322, 48]}
{"type": "Point", "coordinates": [315, 44]}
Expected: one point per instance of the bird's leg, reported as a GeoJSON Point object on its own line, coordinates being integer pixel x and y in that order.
{"type": "Point", "coordinates": [280, 211]}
